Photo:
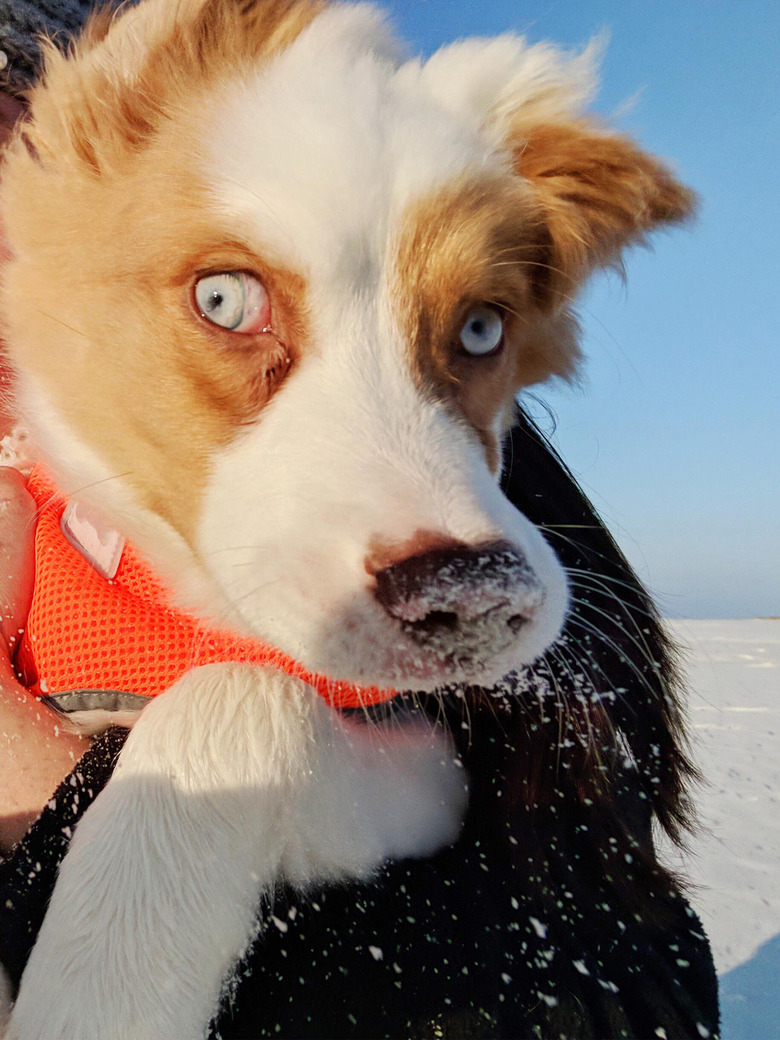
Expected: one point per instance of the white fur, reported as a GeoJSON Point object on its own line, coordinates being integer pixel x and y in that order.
{"type": "Point", "coordinates": [156, 898]}
{"type": "Point", "coordinates": [489, 80]}
{"type": "Point", "coordinates": [300, 577]}
{"type": "Point", "coordinates": [379, 134]}
{"type": "Point", "coordinates": [323, 192]}
{"type": "Point", "coordinates": [239, 777]}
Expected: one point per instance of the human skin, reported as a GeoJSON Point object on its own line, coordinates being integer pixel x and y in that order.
{"type": "Point", "coordinates": [10, 110]}
{"type": "Point", "coordinates": [36, 749]}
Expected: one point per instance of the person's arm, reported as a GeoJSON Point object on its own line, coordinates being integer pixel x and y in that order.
{"type": "Point", "coordinates": [36, 749]}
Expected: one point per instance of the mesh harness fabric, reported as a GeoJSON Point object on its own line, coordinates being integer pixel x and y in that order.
{"type": "Point", "coordinates": [84, 630]}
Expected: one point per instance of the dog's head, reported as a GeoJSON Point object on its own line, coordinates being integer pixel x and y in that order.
{"type": "Point", "coordinates": [274, 290]}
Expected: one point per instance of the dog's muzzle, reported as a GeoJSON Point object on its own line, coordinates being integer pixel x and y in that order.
{"type": "Point", "coordinates": [462, 603]}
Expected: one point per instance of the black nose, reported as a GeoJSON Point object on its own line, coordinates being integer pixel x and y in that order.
{"type": "Point", "coordinates": [458, 595]}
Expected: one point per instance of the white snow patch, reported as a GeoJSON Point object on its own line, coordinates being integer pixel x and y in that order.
{"type": "Point", "coordinates": [734, 863]}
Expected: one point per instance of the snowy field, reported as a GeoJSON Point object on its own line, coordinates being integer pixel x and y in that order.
{"type": "Point", "coordinates": [734, 673]}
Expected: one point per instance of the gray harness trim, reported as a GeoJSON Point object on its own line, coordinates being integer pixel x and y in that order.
{"type": "Point", "coordinates": [91, 700]}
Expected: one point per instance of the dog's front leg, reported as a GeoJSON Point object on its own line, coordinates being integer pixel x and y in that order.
{"type": "Point", "coordinates": [231, 780]}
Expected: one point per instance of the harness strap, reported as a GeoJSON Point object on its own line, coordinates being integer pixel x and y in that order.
{"type": "Point", "coordinates": [86, 630]}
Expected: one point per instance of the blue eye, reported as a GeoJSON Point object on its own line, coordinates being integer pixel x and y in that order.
{"type": "Point", "coordinates": [220, 298]}
{"type": "Point", "coordinates": [233, 300]}
{"type": "Point", "coordinates": [483, 332]}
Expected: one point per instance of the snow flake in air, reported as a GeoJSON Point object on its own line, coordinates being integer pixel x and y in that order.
{"type": "Point", "coordinates": [539, 928]}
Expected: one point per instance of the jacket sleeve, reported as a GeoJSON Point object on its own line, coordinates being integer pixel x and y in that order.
{"type": "Point", "coordinates": [28, 874]}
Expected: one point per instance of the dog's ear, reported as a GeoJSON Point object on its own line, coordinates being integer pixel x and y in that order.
{"type": "Point", "coordinates": [596, 191]}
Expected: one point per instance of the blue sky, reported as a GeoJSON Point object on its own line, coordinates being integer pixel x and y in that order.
{"type": "Point", "coordinates": [675, 433]}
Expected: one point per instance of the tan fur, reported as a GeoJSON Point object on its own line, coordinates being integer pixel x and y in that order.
{"type": "Point", "coordinates": [524, 244]}
{"type": "Point", "coordinates": [90, 319]}
{"type": "Point", "coordinates": [115, 103]}
{"type": "Point", "coordinates": [103, 152]}
{"type": "Point", "coordinates": [476, 243]}
{"type": "Point", "coordinates": [599, 193]}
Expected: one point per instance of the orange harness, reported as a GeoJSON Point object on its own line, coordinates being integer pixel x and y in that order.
{"type": "Point", "coordinates": [122, 633]}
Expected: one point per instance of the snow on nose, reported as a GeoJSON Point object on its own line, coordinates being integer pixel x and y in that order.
{"type": "Point", "coordinates": [462, 601]}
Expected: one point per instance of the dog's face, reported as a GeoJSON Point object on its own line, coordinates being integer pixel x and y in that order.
{"type": "Point", "coordinates": [274, 291]}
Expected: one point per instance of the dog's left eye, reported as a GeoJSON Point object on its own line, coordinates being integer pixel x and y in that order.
{"type": "Point", "coordinates": [483, 332]}
{"type": "Point", "coordinates": [233, 300]}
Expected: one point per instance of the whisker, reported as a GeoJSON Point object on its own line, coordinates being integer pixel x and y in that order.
{"type": "Point", "coordinates": [103, 480]}
{"type": "Point", "coordinates": [581, 572]}
{"type": "Point", "coordinates": [593, 630]}
{"type": "Point", "coordinates": [253, 591]}
{"type": "Point", "coordinates": [566, 661]}
{"type": "Point", "coordinates": [588, 666]}
{"type": "Point", "coordinates": [640, 643]}
{"type": "Point", "coordinates": [64, 324]}
{"type": "Point", "coordinates": [586, 549]}
{"type": "Point", "coordinates": [594, 587]}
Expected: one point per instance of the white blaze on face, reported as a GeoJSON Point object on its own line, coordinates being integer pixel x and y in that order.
{"type": "Point", "coordinates": [351, 449]}
{"type": "Point", "coordinates": [320, 152]}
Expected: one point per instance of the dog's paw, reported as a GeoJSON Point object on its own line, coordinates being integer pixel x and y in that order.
{"type": "Point", "coordinates": [381, 793]}
{"type": "Point", "coordinates": [415, 787]}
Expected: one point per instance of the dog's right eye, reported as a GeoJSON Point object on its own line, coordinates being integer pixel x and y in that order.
{"type": "Point", "coordinates": [233, 300]}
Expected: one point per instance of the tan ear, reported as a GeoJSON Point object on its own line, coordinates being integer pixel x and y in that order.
{"type": "Point", "coordinates": [597, 193]}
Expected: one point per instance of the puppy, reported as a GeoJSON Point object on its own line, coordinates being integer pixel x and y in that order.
{"type": "Point", "coordinates": [274, 288]}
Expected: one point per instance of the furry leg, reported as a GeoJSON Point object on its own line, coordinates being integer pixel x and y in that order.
{"type": "Point", "coordinates": [233, 779]}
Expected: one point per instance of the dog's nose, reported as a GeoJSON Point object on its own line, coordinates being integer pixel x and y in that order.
{"type": "Point", "coordinates": [454, 594]}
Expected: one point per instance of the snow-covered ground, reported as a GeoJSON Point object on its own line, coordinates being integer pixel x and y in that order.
{"type": "Point", "coordinates": [734, 673]}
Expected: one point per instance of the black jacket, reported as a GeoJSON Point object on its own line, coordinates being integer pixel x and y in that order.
{"type": "Point", "coordinates": [551, 916]}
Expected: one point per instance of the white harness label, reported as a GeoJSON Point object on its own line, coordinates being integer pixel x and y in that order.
{"type": "Point", "coordinates": [98, 543]}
